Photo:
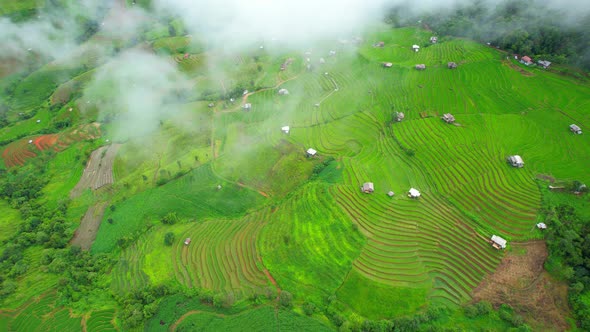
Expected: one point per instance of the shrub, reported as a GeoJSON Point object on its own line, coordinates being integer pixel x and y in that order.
{"type": "Point", "coordinates": [285, 299]}
{"type": "Point", "coordinates": [169, 238]}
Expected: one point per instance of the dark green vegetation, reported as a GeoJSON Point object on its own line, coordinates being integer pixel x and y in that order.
{"type": "Point", "coordinates": [217, 220]}
{"type": "Point", "coordinates": [569, 247]}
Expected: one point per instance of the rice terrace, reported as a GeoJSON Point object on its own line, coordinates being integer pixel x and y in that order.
{"type": "Point", "coordinates": [178, 166]}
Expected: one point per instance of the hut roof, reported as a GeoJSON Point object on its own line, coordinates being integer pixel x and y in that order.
{"type": "Point", "coordinates": [414, 192]}
{"type": "Point", "coordinates": [544, 63]}
{"type": "Point", "coordinates": [187, 241]}
{"type": "Point", "coordinates": [390, 193]}
{"type": "Point", "coordinates": [415, 46]}
{"type": "Point", "coordinates": [285, 129]}
{"type": "Point", "coordinates": [448, 117]}
{"type": "Point", "coordinates": [541, 225]}
{"type": "Point", "coordinates": [499, 241]}
{"type": "Point", "coordinates": [526, 59]}
{"type": "Point", "coordinates": [368, 187]}
{"type": "Point", "coordinates": [421, 66]}
{"type": "Point", "coordinates": [574, 127]}
{"type": "Point", "coordinates": [311, 152]}
{"type": "Point", "coordinates": [387, 64]}
{"type": "Point", "coordinates": [452, 65]}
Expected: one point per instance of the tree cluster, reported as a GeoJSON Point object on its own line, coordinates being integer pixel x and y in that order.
{"type": "Point", "coordinates": [568, 240]}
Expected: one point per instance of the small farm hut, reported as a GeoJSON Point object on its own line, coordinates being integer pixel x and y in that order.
{"type": "Point", "coordinates": [448, 118]}
{"type": "Point", "coordinates": [390, 193]}
{"type": "Point", "coordinates": [38, 121]}
{"type": "Point", "coordinates": [399, 116]}
{"type": "Point", "coordinates": [187, 241]}
{"type": "Point", "coordinates": [420, 66]}
{"type": "Point", "coordinates": [30, 141]}
{"type": "Point", "coordinates": [283, 92]}
{"type": "Point", "coordinates": [498, 242]}
{"type": "Point", "coordinates": [433, 39]}
{"type": "Point", "coordinates": [332, 53]}
{"type": "Point", "coordinates": [368, 188]}
{"type": "Point", "coordinates": [247, 106]}
{"type": "Point", "coordinates": [186, 56]}
{"type": "Point", "coordinates": [413, 193]}
{"type": "Point", "coordinates": [387, 64]}
{"type": "Point", "coordinates": [541, 225]}
{"type": "Point", "coordinates": [544, 63]}
{"type": "Point", "coordinates": [416, 48]}
{"type": "Point", "coordinates": [452, 65]}
{"type": "Point", "coordinates": [245, 92]}
{"type": "Point", "coordinates": [526, 60]}
{"type": "Point", "coordinates": [311, 152]}
{"type": "Point", "coordinates": [285, 129]}
{"type": "Point", "coordinates": [379, 44]}
{"type": "Point", "coordinates": [211, 105]}
{"type": "Point", "coordinates": [575, 129]}
{"type": "Point", "coordinates": [516, 161]}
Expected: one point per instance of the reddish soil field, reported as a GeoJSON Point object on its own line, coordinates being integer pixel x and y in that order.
{"type": "Point", "coordinates": [522, 282]}
{"type": "Point", "coordinates": [46, 141]}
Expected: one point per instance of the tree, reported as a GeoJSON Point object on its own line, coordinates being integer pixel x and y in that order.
{"type": "Point", "coordinates": [285, 299]}
{"type": "Point", "coordinates": [169, 238]}
{"type": "Point", "coordinates": [170, 219]}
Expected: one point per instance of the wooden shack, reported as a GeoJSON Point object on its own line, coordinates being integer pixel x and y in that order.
{"type": "Point", "coordinates": [575, 129]}
{"type": "Point", "coordinates": [516, 161]}
{"type": "Point", "coordinates": [451, 65]}
{"type": "Point", "coordinates": [498, 242]}
{"type": "Point", "coordinates": [420, 66]}
{"type": "Point", "coordinates": [448, 118]}
{"type": "Point", "coordinates": [368, 188]}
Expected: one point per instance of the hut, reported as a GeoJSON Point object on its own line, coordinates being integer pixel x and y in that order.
{"type": "Point", "coordinates": [186, 56]}
{"type": "Point", "coordinates": [285, 129]}
{"type": "Point", "coordinates": [30, 141]}
{"type": "Point", "coordinates": [247, 106]}
{"type": "Point", "coordinates": [575, 129]}
{"type": "Point", "coordinates": [390, 193]}
{"type": "Point", "coordinates": [498, 242]}
{"type": "Point", "coordinates": [283, 92]}
{"type": "Point", "coordinates": [451, 65]}
{"type": "Point", "coordinates": [368, 188]}
{"type": "Point", "coordinates": [420, 66]}
{"type": "Point", "coordinates": [379, 44]}
{"type": "Point", "coordinates": [516, 161]}
{"type": "Point", "coordinates": [387, 64]}
{"type": "Point", "coordinates": [448, 118]}
{"type": "Point", "coordinates": [541, 225]}
{"type": "Point", "coordinates": [433, 39]}
{"type": "Point", "coordinates": [311, 152]}
{"type": "Point", "coordinates": [413, 193]}
{"type": "Point", "coordinates": [544, 63]}
{"type": "Point", "coordinates": [416, 48]}
{"type": "Point", "coordinates": [187, 241]}
{"type": "Point", "coordinates": [399, 116]}
{"type": "Point", "coordinates": [332, 53]}
{"type": "Point", "coordinates": [526, 60]}
{"type": "Point", "coordinates": [211, 105]}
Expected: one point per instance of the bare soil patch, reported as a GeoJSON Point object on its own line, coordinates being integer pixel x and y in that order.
{"type": "Point", "coordinates": [86, 232]}
{"type": "Point", "coordinates": [98, 171]}
{"type": "Point", "coordinates": [521, 281]}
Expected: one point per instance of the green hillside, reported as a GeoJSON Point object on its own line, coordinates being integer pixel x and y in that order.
{"type": "Point", "coordinates": [217, 219]}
